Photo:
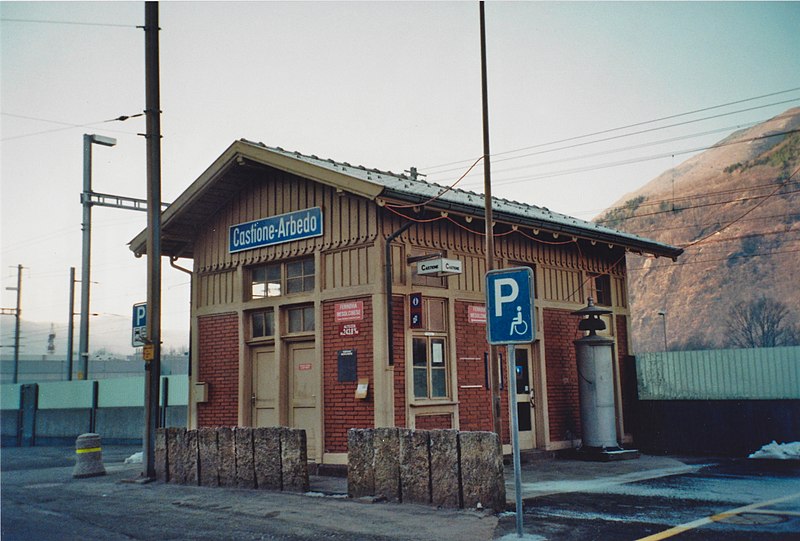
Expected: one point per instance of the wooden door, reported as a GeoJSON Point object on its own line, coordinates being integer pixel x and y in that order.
{"type": "Point", "coordinates": [304, 392]}
{"type": "Point", "coordinates": [266, 387]}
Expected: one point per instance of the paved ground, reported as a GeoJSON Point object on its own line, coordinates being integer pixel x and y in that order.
{"type": "Point", "coordinates": [563, 500]}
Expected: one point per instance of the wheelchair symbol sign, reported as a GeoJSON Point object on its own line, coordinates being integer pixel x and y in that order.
{"type": "Point", "coordinates": [510, 308]}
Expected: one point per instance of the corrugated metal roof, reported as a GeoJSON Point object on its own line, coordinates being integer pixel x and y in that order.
{"type": "Point", "coordinates": [414, 190]}
{"type": "Point", "coordinates": [220, 181]}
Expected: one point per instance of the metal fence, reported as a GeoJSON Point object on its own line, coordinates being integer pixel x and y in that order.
{"type": "Point", "coordinates": [725, 374]}
{"type": "Point", "coordinates": [55, 412]}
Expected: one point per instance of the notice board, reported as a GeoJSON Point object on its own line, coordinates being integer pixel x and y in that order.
{"type": "Point", "coordinates": [347, 365]}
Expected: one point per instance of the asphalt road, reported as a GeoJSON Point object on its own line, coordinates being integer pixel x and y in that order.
{"type": "Point", "coordinates": [748, 500]}
{"type": "Point", "coordinates": [41, 501]}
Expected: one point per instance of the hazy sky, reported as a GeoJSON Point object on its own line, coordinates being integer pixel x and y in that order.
{"type": "Point", "coordinates": [387, 85]}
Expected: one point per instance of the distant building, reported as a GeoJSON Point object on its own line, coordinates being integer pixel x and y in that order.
{"type": "Point", "coordinates": [291, 315]}
{"type": "Point", "coordinates": [41, 368]}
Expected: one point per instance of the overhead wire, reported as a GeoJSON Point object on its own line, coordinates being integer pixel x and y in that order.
{"type": "Point", "coordinates": [627, 126]}
{"type": "Point", "coordinates": [67, 125]}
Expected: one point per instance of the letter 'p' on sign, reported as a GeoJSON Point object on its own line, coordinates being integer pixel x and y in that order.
{"type": "Point", "coordinates": [510, 308]}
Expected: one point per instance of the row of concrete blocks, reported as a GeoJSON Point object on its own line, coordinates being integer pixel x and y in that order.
{"type": "Point", "coordinates": [445, 468]}
{"type": "Point", "coordinates": [273, 458]}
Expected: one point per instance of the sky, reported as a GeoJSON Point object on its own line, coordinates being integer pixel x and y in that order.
{"type": "Point", "coordinates": [587, 102]}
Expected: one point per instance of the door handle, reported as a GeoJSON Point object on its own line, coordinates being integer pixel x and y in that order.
{"type": "Point", "coordinates": [253, 399]}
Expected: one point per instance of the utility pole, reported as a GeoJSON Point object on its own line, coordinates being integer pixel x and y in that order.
{"type": "Point", "coordinates": [17, 314]}
{"type": "Point", "coordinates": [153, 136]}
{"type": "Point", "coordinates": [493, 368]}
{"type": "Point", "coordinates": [70, 322]}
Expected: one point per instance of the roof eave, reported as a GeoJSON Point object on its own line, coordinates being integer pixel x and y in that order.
{"type": "Point", "coordinates": [643, 245]}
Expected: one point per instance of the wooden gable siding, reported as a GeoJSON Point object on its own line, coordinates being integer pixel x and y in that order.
{"type": "Point", "coordinates": [347, 220]}
{"type": "Point", "coordinates": [565, 264]}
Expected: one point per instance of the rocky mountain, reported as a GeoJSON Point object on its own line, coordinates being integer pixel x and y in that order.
{"type": "Point", "coordinates": [735, 208]}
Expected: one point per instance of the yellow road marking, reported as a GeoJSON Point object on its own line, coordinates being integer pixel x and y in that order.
{"type": "Point", "coordinates": [715, 518]}
{"type": "Point", "coordinates": [88, 450]}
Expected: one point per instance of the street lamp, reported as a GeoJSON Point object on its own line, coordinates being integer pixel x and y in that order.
{"type": "Point", "coordinates": [664, 321]}
{"type": "Point", "coordinates": [86, 227]}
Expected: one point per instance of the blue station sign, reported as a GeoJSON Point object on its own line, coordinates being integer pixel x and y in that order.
{"type": "Point", "coordinates": [298, 225]}
{"type": "Point", "coordinates": [509, 306]}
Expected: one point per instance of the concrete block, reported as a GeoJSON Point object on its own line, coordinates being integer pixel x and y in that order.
{"type": "Point", "coordinates": [294, 460]}
{"type": "Point", "coordinates": [160, 455]}
{"type": "Point", "coordinates": [482, 470]}
{"type": "Point", "coordinates": [445, 490]}
{"type": "Point", "coordinates": [227, 457]}
{"type": "Point", "coordinates": [267, 457]}
{"type": "Point", "coordinates": [415, 466]}
{"type": "Point", "coordinates": [245, 471]}
{"type": "Point", "coordinates": [386, 443]}
{"type": "Point", "coordinates": [360, 463]}
{"type": "Point", "coordinates": [191, 474]}
{"type": "Point", "coordinates": [208, 457]}
{"type": "Point", "coordinates": [176, 459]}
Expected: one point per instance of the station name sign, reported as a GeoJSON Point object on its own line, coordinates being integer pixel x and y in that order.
{"type": "Point", "coordinates": [440, 267]}
{"type": "Point", "coordinates": [298, 225]}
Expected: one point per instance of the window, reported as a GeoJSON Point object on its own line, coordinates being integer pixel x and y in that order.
{"type": "Point", "coordinates": [262, 323]}
{"type": "Point", "coordinates": [600, 289]}
{"type": "Point", "coordinates": [300, 319]}
{"type": "Point", "coordinates": [430, 367]}
{"type": "Point", "coordinates": [300, 276]}
{"type": "Point", "coordinates": [429, 359]}
{"type": "Point", "coordinates": [276, 279]}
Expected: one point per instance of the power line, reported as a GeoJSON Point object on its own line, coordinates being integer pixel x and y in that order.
{"type": "Point", "coordinates": [634, 125]}
{"type": "Point", "coordinates": [67, 125]}
{"type": "Point", "coordinates": [79, 23]}
{"type": "Point", "coordinates": [679, 209]}
{"type": "Point", "coordinates": [639, 160]}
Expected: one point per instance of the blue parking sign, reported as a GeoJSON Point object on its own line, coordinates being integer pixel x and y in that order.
{"type": "Point", "coordinates": [139, 325]}
{"type": "Point", "coordinates": [509, 306]}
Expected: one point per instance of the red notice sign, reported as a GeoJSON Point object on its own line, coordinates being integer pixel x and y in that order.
{"type": "Point", "coordinates": [348, 311]}
{"type": "Point", "coordinates": [476, 314]}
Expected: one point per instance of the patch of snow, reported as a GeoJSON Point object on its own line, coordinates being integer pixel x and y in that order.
{"type": "Point", "coordinates": [779, 451]}
{"type": "Point", "coordinates": [135, 458]}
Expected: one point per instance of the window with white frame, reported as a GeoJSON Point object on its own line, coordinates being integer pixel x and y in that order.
{"type": "Point", "coordinates": [429, 353]}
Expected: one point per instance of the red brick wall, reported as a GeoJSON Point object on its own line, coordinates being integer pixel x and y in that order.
{"type": "Point", "coordinates": [560, 330]}
{"type": "Point", "coordinates": [433, 422]}
{"type": "Point", "coordinates": [399, 356]}
{"type": "Point", "coordinates": [218, 365]}
{"type": "Point", "coordinates": [475, 404]}
{"type": "Point", "coordinates": [342, 410]}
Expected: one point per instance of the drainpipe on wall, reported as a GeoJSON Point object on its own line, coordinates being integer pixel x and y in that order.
{"type": "Point", "coordinates": [389, 304]}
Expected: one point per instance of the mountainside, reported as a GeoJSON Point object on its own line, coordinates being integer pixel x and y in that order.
{"type": "Point", "coordinates": [735, 209]}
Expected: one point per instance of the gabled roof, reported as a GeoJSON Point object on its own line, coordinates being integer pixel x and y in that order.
{"type": "Point", "coordinates": [218, 184]}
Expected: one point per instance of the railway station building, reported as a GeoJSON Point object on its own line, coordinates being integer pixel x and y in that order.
{"type": "Point", "coordinates": [327, 296]}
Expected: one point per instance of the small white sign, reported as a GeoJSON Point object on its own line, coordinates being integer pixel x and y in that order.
{"type": "Point", "coordinates": [440, 267]}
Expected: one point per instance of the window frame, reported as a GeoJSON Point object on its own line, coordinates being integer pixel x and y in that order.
{"type": "Point", "coordinates": [443, 371]}
{"type": "Point", "coordinates": [434, 331]}
{"type": "Point", "coordinates": [595, 291]}
{"type": "Point", "coordinates": [303, 309]}
{"type": "Point", "coordinates": [283, 279]}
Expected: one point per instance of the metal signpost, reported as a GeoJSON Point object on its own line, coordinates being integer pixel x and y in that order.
{"type": "Point", "coordinates": [510, 321]}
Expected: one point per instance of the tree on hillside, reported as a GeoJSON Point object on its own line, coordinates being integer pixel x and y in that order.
{"type": "Point", "coordinates": [761, 323]}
